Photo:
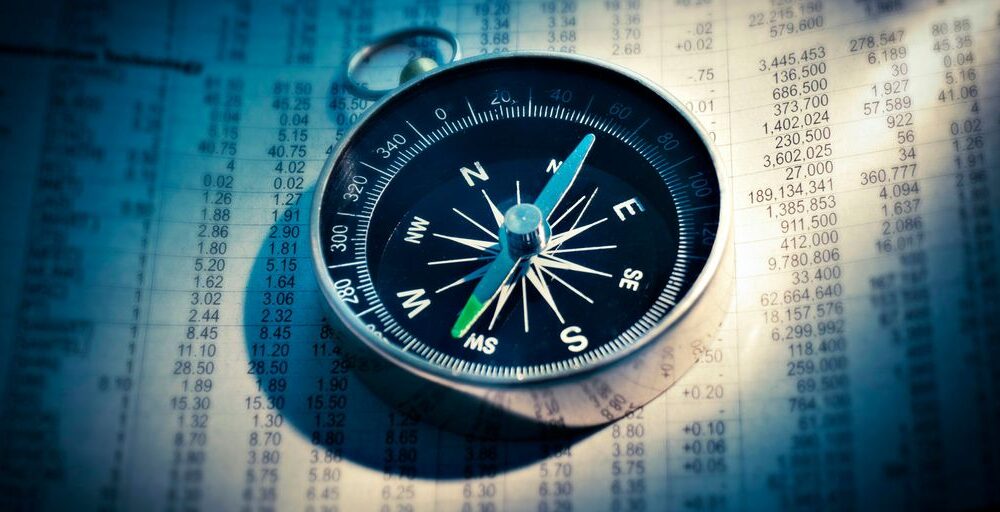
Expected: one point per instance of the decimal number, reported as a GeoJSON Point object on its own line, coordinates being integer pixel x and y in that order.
{"type": "Point", "coordinates": [791, 58]}
{"type": "Point", "coordinates": [872, 41]}
{"type": "Point", "coordinates": [888, 175]}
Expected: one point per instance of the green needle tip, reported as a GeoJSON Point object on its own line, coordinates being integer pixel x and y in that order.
{"type": "Point", "coordinates": [473, 307]}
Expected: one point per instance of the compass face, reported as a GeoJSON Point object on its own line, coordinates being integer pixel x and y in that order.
{"type": "Point", "coordinates": [516, 218]}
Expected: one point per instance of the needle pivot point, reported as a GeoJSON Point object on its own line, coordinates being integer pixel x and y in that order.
{"type": "Point", "coordinates": [526, 229]}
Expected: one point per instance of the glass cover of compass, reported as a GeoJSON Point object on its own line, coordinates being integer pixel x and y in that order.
{"type": "Point", "coordinates": [517, 218]}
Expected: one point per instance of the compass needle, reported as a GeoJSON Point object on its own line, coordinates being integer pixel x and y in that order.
{"type": "Point", "coordinates": [494, 276]}
{"type": "Point", "coordinates": [471, 276]}
{"type": "Point", "coordinates": [560, 182]}
{"type": "Point", "coordinates": [505, 293]}
{"type": "Point", "coordinates": [525, 223]}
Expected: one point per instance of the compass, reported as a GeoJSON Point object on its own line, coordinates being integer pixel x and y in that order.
{"type": "Point", "coordinates": [531, 238]}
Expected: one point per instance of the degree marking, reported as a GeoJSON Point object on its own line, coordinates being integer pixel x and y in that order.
{"type": "Point", "coordinates": [369, 310]}
{"type": "Point", "coordinates": [351, 264]}
{"type": "Point", "coordinates": [637, 131]}
{"type": "Point", "coordinates": [676, 164]}
{"type": "Point", "coordinates": [696, 208]}
{"type": "Point", "coordinates": [471, 110]}
{"type": "Point", "coordinates": [390, 175]}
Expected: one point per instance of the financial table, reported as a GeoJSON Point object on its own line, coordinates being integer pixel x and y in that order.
{"type": "Point", "coordinates": [165, 344]}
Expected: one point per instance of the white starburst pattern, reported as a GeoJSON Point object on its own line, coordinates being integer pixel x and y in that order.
{"type": "Point", "coordinates": [539, 271]}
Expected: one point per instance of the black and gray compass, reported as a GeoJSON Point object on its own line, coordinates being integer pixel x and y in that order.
{"type": "Point", "coordinates": [539, 234]}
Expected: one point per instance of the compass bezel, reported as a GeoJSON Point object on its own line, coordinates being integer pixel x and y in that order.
{"type": "Point", "coordinates": [421, 367]}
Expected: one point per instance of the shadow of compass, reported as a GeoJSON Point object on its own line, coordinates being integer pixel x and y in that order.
{"type": "Point", "coordinates": [307, 382]}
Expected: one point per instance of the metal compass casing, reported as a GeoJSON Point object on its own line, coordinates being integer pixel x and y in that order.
{"type": "Point", "coordinates": [524, 240]}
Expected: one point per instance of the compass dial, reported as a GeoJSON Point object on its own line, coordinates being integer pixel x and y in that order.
{"type": "Point", "coordinates": [517, 218]}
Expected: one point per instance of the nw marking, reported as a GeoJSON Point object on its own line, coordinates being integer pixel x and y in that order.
{"type": "Point", "coordinates": [416, 230]}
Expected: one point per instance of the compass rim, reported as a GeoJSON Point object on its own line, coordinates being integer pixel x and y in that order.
{"type": "Point", "coordinates": [445, 376]}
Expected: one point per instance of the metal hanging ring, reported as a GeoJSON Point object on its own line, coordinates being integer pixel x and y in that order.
{"type": "Point", "coordinates": [387, 40]}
